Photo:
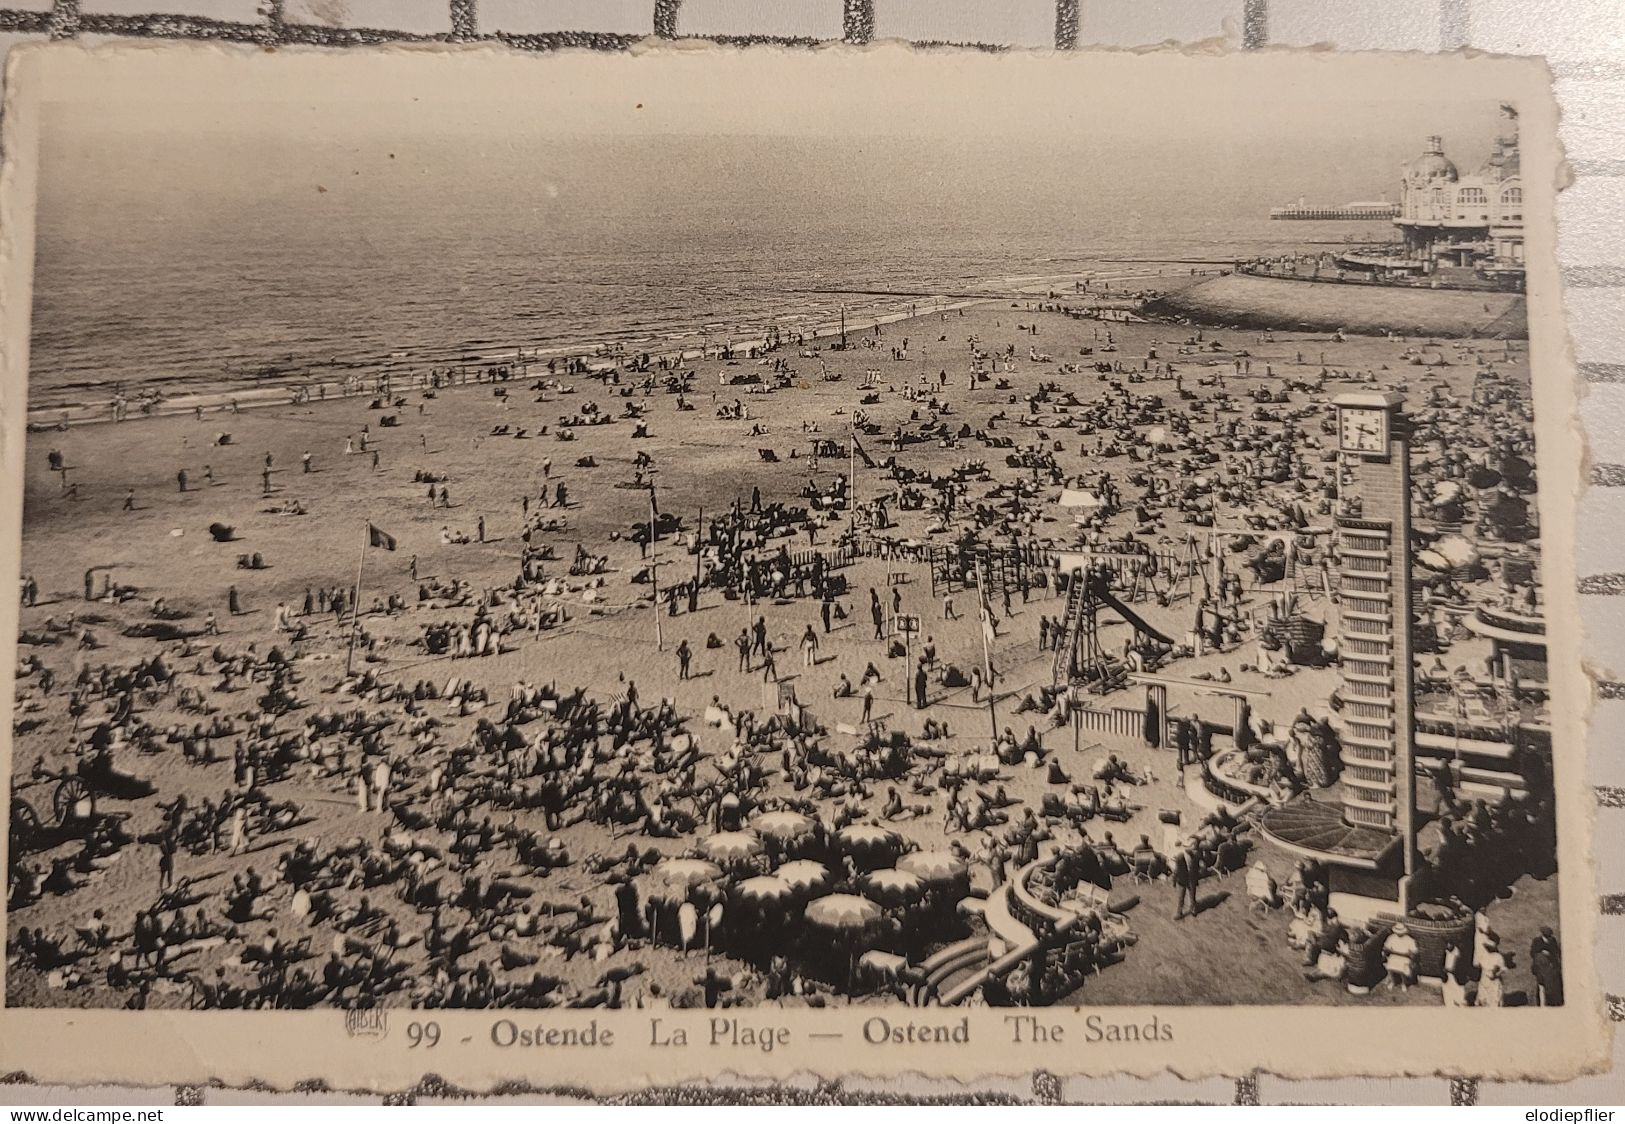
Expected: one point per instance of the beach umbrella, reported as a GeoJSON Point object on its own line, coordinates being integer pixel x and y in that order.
{"type": "Point", "coordinates": [764, 888]}
{"type": "Point", "coordinates": [686, 872]}
{"type": "Point", "coordinates": [783, 826]}
{"type": "Point", "coordinates": [733, 846]}
{"type": "Point", "coordinates": [868, 839]}
{"type": "Point", "coordinates": [893, 887]}
{"type": "Point", "coordinates": [843, 913]}
{"type": "Point", "coordinates": [804, 875]}
{"type": "Point", "coordinates": [935, 868]}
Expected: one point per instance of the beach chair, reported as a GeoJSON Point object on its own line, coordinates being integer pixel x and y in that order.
{"type": "Point", "coordinates": [1144, 867]}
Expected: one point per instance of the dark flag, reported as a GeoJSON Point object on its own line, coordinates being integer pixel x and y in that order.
{"type": "Point", "coordinates": [375, 537]}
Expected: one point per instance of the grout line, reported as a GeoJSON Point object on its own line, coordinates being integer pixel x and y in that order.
{"type": "Point", "coordinates": [1255, 27]}
{"type": "Point", "coordinates": [858, 21]}
{"type": "Point", "coordinates": [1601, 167]}
{"type": "Point", "coordinates": [1066, 24]}
{"type": "Point", "coordinates": [666, 18]}
{"type": "Point", "coordinates": [1601, 372]}
{"type": "Point", "coordinates": [1594, 276]}
{"type": "Point", "coordinates": [465, 21]}
{"type": "Point", "coordinates": [64, 19]}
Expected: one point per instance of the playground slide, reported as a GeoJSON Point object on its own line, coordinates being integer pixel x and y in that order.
{"type": "Point", "coordinates": [1005, 964]}
{"type": "Point", "coordinates": [1111, 602]}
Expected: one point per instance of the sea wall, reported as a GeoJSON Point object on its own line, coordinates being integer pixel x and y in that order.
{"type": "Point", "coordinates": [1236, 300]}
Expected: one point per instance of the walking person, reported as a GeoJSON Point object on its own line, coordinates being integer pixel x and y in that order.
{"type": "Point", "coordinates": [1186, 869]}
{"type": "Point", "coordinates": [809, 647]}
{"type": "Point", "coordinates": [684, 654]}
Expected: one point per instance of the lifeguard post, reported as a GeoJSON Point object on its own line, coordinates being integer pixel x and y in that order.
{"type": "Point", "coordinates": [1367, 840]}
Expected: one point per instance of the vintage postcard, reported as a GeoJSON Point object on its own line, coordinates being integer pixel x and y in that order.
{"type": "Point", "coordinates": [597, 570]}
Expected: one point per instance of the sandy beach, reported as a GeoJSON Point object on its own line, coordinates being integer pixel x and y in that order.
{"type": "Point", "coordinates": [490, 443]}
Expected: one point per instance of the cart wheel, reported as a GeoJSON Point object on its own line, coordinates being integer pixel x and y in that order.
{"type": "Point", "coordinates": [64, 802]}
{"type": "Point", "coordinates": [25, 825]}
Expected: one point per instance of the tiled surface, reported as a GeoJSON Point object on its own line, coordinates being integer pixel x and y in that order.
{"type": "Point", "coordinates": [620, 17]}
{"type": "Point", "coordinates": [233, 11]}
{"type": "Point", "coordinates": [1018, 23]}
{"type": "Point", "coordinates": [1409, 1091]}
{"type": "Point", "coordinates": [417, 17]}
{"type": "Point", "coordinates": [1392, 25]}
{"type": "Point", "coordinates": [809, 19]}
{"type": "Point", "coordinates": [1138, 23]}
{"type": "Point", "coordinates": [1585, 40]}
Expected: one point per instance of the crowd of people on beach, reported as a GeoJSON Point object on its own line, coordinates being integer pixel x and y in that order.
{"type": "Point", "coordinates": [447, 836]}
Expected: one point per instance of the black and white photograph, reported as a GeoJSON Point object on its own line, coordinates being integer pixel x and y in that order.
{"type": "Point", "coordinates": [627, 545]}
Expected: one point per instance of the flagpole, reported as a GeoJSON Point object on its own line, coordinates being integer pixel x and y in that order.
{"type": "Point", "coordinates": [355, 609]}
{"type": "Point", "coordinates": [987, 654]}
{"type": "Point", "coordinates": [852, 479]}
{"type": "Point", "coordinates": [654, 569]}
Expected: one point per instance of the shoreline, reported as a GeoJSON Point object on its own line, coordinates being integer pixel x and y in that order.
{"type": "Point", "coordinates": [229, 398]}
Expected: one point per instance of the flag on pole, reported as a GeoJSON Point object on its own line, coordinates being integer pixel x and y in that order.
{"type": "Point", "coordinates": [376, 537]}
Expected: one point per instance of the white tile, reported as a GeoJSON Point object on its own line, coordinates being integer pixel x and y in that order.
{"type": "Point", "coordinates": [231, 11]}
{"type": "Point", "coordinates": [1403, 1090]}
{"type": "Point", "coordinates": [1592, 110]}
{"type": "Point", "coordinates": [1137, 23]}
{"type": "Point", "coordinates": [1600, 550]}
{"type": "Point", "coordinates": [1609, 849]}
{"type": "Point", "coordinates": [1162, 1089]}
{"type": "Point", "coordinates": [620, 17]}
{"type": "Point", "coordinates": [258, 1098]}
{"type": "Point", "coordinates": [86, 1095]}
{"type": "Point", "coordinates": [1590, 230]}
{"type": "Point", "coordinates": [1596, 319]}
{"type": "Point", "coordinates": [1605, 753]}
{"type": "Point", "coordinates": [1556, 28]}
{"type": "Point", "coordinates": [915, 1085]}
{"type": "Point", "coordinates": [1603, 1089]}
{"type": "Point", "coordinates": [1356, 25]}
{"type": "Point", "coordinates": [423, 17]}
{"type": "Point", "coordinates": [1602, 409]}
{"type": "Point", "coordinates": [808, 19]}
{"type": "Point", "coordinates": [1603, 619]}
{"type": "Point", "coordinates": [519, 1101]}
{"type": "Point", "coordinates": [1016, 23]}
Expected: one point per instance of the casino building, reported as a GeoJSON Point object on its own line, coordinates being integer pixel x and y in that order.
{"type": "Point", "coordinates": [1454, 224]}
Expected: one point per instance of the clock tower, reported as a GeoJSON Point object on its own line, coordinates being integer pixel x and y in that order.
{"type": "Point", "coordinates": [1373, 526]}
{"type": "Point", "coordinates": [1367, 837]}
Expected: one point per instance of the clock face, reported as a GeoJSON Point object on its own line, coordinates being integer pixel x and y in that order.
{"type": "Point", "coordinates": [1363, 430]}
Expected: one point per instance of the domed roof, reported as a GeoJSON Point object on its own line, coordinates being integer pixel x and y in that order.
{"type": "Point", "coordinates": [1432, 164]}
